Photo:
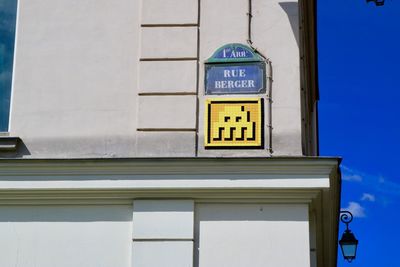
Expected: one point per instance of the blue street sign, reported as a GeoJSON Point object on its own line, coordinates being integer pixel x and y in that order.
{"type": "Point", "coordinates": [234, 53]}
{"type": "Point", "coordinates": [235, 78]}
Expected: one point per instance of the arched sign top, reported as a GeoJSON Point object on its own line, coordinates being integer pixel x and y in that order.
{"type": "Point", "coordinates": [234, 53]}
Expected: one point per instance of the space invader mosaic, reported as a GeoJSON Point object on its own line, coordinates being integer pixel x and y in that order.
{"type": "Point", "coordinates": [234, 123]}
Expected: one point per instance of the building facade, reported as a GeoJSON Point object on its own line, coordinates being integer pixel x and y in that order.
{"type": "Point", "coordinates": [172, 133]}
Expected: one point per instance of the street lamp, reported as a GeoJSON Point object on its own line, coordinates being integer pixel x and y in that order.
{"type": "Point", "coordinates": [348, 242]}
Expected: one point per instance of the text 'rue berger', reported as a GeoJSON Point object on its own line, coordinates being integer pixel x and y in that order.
{"type": "Point", "coordinates": [234, 73]}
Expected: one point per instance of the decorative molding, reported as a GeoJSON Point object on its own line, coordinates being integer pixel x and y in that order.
{"type": "Point", "coordinates": [166, 93]}
{"type": "Point", "coordinates": [170, 59]}
{"type": "Point", "coordinates": [313, 181]}
{"type": "Point", "coordinates": [277, 180]}
{"type": "Point", "coordinates": [296, 166]}
{"type": "Point", "coordinates": [166, 129]}
{"type": "Point", "coordinates": [158, 25]}
{"type": "Point", "coordinates": [162, 239]}
{"type": "Point", "coordinates": [200, 195]}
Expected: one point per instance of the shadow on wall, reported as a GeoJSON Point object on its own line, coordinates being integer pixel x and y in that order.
{"type": "Point", "coordinates": [251, 212]}
{"type": "Point", "coordinates": [91, 213]}
{"type": "Point", "coordinates": [20, 151]}
{"type": "Point", "coordinates": [292, 11]}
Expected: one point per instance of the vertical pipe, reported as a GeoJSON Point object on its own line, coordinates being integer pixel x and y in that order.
{"type": "Point", "coordinates": [269, 99]}
{"type": "Point", "coordinates": [269, 76]}
{"type": "Point", "coordinates": [249, 40]}
{"type": "Point", "coordinates": [250, 16]}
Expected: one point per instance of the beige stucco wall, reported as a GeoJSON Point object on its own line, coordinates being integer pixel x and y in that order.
{"type": "Point", "coordinates": [126, 78]}
{"type": "Point", "coordinates": [75, 78]}
{"type": "Point", "coordinates": [48, 235]}
{"type": "Point", "coordinates": [150, 233]}
{"type": "Point", "coordinates": [169, 212]}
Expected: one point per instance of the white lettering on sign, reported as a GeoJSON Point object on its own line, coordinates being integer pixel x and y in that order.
{"type": "Point", "coordinates": [233, 54]}
{"type": "Point", "coordinates": [234, 84]}
{"type": "Point", "coordinates": [235, 73]}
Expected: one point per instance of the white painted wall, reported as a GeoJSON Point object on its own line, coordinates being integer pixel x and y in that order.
{"type": "Point", "coordinates": [65, 236]}
{"type": "Point", "coordinates": [75, 84]}
{"type": "Point", "coordinates": [242, 235]}
{"type": "Point", "coordinates": [234, 235]}
{"type": "Point", "coordinates": [163, 219]}
{"type": "Point", "coordinates": [163, 233]}
{"type": "Point", "coordinates": [84, 71]}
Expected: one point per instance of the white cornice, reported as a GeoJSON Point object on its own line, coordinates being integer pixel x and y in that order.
{"type": "Point", "coordinates": [167, 174]}
{"type": "Point", "coordinates": [169, 166]}
{"type": "Point", "coordinates": [313, 181]}
{"type": "Point", "coordinates": [270, 179]}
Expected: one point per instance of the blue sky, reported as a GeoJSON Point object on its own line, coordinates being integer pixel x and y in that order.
{"type": "Point", "coordinates": [359, 56]}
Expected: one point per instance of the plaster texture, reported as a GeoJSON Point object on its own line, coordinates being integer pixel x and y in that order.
{"type": "Point", "coordinates": [254, 235]}
{"type": "Point", "coordinates": [168, 77]}
{"type": "Point", "coordinates": [169, 11]}
{"type": "Point", "coordinates": [167, 112]}
{"type": "Point", "coordinates": [276, 33]}
{"type": "Point", "coordinates": [75, 78]}
{"type": "Point", "coordinates": [163, 219]}
{"type": "Point", "coordinates": [64, 236]}
{"type": "Point", "coordinates": [163, 233]}
{"type": "Point", "coordinates": [166, 254]}
{"type": "Point", "coordinates": [169, 42]}
{"type": "Point", "coordinates": [176, 144]}
{"type": "Point", "coordinates": [80, 82]}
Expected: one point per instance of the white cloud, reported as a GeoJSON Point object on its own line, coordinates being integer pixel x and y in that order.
{"type": "Point", "coordinates": [356, 209]}
{"type": "Point", "coordinates": [368, 197]}
{"type": "Point", "coordinates": [351, 175]}
{"type": "Point", "coordinates": [375, 184]}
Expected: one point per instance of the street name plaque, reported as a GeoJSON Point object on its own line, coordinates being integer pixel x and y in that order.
{"type": "Point", "coordinates": [235, 69]}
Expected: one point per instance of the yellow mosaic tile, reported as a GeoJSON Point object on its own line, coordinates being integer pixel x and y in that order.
{"type": "Point", "coordinates": [234, 123]}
